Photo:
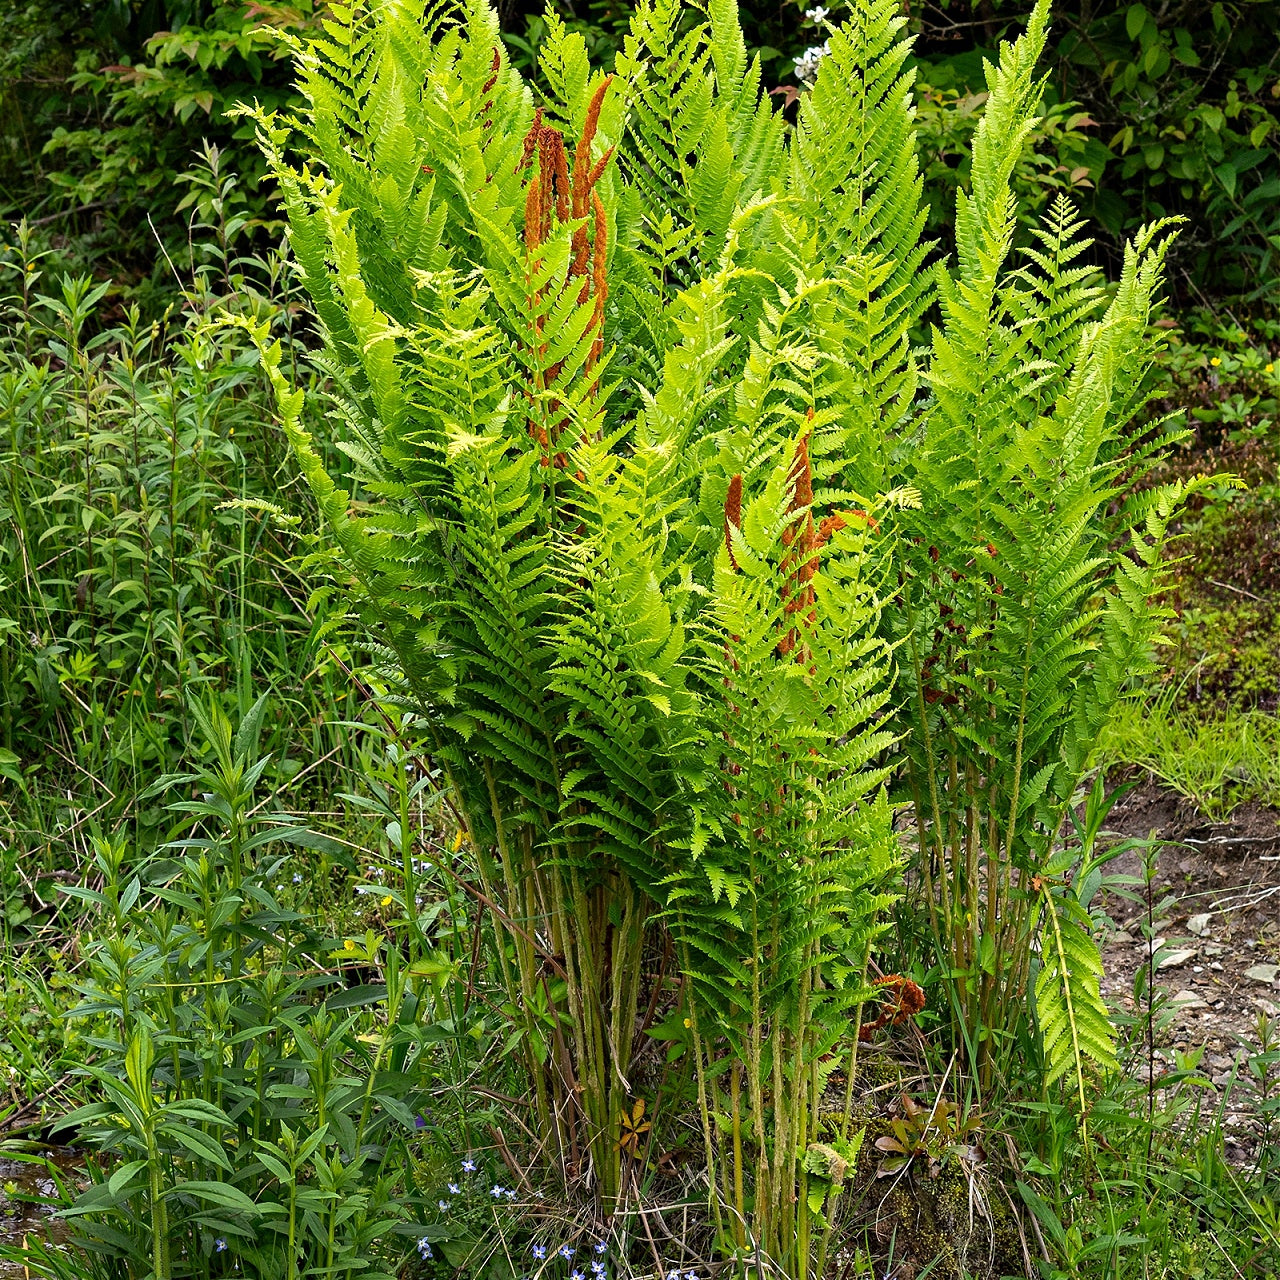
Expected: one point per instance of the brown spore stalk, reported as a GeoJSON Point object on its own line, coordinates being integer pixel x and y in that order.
{"type": "Point", "coordinates": [558, 194]}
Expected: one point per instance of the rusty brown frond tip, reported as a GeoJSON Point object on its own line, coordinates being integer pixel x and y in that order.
{"type": "Point", "coordinates": [906, 1001]}
{"type": "Point", "coordinates": [732, 515]}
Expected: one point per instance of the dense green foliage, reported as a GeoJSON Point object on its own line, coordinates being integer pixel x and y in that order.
{"type": "Point", "coordinates": [464, 825]}
{"type": "Point", "coordinates": [1028, 571]}
{"type": "Point", "coordinates": [144, 553]}
{"type": "Point", "coordinates": [222, 1070]}
{"type": "Point", "coordinates": [1151, 111]}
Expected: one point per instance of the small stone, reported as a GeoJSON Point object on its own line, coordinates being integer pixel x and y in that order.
{"type": "Point", "coordinates": [1263, 972]}
{"type": "Point", "coordinates": [1175, 959]}
{"type": "Point", "coordinates": [1216, 966]}
{"type": "Point", "coordinates": [1199, 924]}
{"type": "Point", "coordinates": [1266, 1006]}
{"type": "Point", "coordinates": [1213, 949]}
{"type": "Point", "coordinates": [1188, 1000]}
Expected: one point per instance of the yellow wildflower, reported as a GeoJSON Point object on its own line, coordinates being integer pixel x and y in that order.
{"type": "Point", "coordinates": [1215, 362]}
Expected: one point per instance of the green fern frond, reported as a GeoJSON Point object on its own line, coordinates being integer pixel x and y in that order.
{"type": "Point", "coordinates": [1075, 1025]}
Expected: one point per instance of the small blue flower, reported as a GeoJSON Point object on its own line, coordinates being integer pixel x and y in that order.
{"type": "Point", "coordinates": [673, 1275]}
{"type": "Point", "coordinates": [496, 1192]}
{"type": "Point", "coordinates": [444, 1205]}
{"type": "Point", "coordinates": [565, 1251]}
{"type": "Point", "coordinates": [601, 1247]}
{"type": "Point", "coordinates": [220, 1245]}
{"type": "Point", "coordinates": [297, 877]}
{"type": "Point", "coordinates": [453, 1189]}
{"type": "Point", "coordinates": [597, 1267]}
{"type": "Point", "coordinates": [509, 1192]}
{"type": "Point", "coordinates": [419, 1122]}
{"type": "Point", "coordinates": [539, 1252]}
{"type": "Point", "coordinates": [468, 1165]}
{"type": "Point", "coordinates": [576, 1275]}
{"type": "Point", "coordinates": [424, 1247]}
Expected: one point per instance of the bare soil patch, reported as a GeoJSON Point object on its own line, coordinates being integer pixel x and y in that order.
{"type": "Point", "coordinates": [1216, 922]}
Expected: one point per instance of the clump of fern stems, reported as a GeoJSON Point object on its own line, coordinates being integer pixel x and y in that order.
{"type": "Point", "coordinates": [1031, 573]}
{"type": "Point", "coordinates": [600, 533]}
{"type": "Point", "coordinates": [653, 499]}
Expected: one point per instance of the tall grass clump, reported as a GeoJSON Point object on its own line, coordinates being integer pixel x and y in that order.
{"type": "Point", "coordinates": [145, 550]}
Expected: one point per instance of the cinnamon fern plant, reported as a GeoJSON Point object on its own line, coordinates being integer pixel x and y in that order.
{"type": "Point", "coordinates": [1030, 573]}
{"type": "Point", "coordinates": [650, 498]}
{"type": "Point", "coordinates": [586, 358]}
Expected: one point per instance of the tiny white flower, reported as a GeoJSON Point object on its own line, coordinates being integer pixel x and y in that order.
{"type": "Point", "coordinates": [817, 15]}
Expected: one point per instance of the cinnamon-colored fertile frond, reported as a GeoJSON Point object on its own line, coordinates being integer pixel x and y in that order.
{"type": "Point", "coordinates": [732, 515]}
{"type": "Point", "coordinates": [585, 176]}
{"type": "Point", "coordinates": [828, 526]}
{"type": "Point", "coordinates": [802, 476]}
{"type": "Point", "coordinates": [533, 215]}
{"type": "Point", "coordinates": [495, 65]}
{"type": "Point", "coordinates": [558, 162]}
{"type": "Point", "coordinates": [555, 197]}
{"type": "Point", "coordinates": [551, 177]}
{"type": "Point", "coordinates": [600, 166]}
{"type": "Point", "coordinates": [906, 1001]}
{"type": "Point", "coordinates": [582, 169]}
{"type": "Point", "coordinates": [531, 141]}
